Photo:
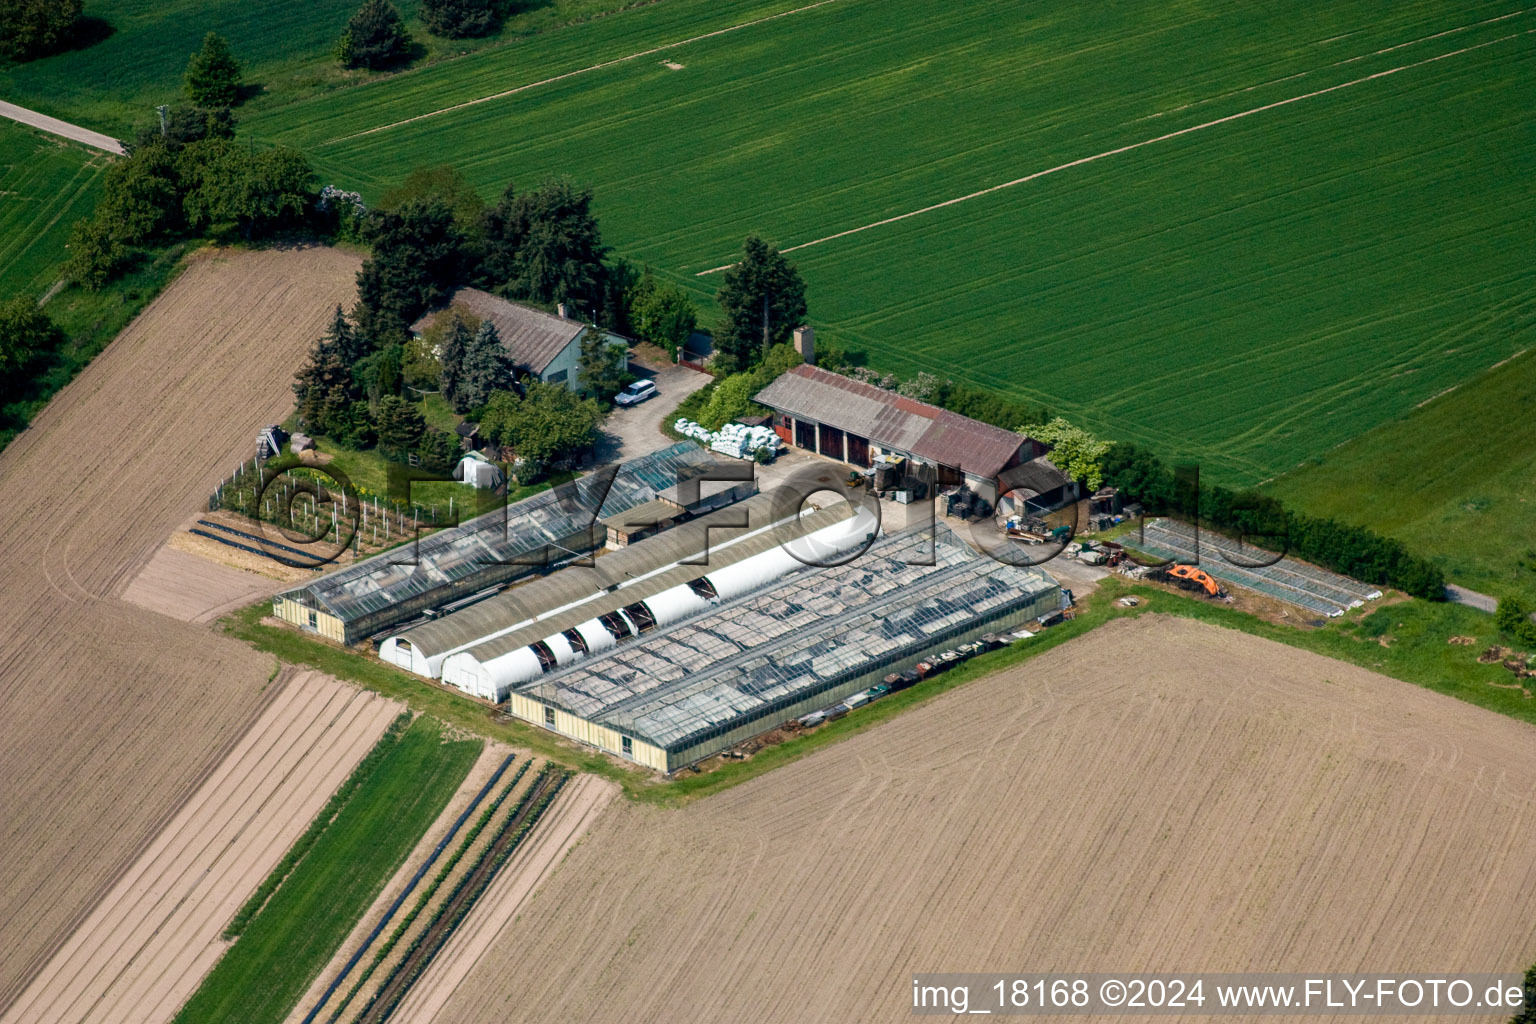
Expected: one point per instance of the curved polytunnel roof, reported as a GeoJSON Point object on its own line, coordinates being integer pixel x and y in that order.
{"type": "Point", "coordinates": [531, 611]}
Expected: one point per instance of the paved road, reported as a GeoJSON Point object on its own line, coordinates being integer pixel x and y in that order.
{"type": "Point", "coordinates": [54, 126]}
{"type": "Point", "coordinates": [1471, 598]}
{"type": "Point", "coordinates": [631, 432]}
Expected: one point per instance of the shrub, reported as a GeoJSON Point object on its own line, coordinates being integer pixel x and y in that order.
{"type": "Point", "coordinates": [1514, 620]}
{"type": "Point", "coordinates": [375, 38]}
{"type": "Point", "coordinates": [460, 19]}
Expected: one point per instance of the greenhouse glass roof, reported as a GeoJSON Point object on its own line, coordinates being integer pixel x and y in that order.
{"type": "Point", "coordinates": [525, 532]}
{"type": "Point", "coordinates": [792, 639]}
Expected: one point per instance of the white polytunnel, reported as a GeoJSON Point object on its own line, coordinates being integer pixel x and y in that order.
{"type": "Point", "coordinates": [676, 604]}
{"type": "Point", "coordinates": [579, 612]}
{"type": "Point", "coordinates": [503, 672]}
{"type": "Point", "coordinates": [597, 637]}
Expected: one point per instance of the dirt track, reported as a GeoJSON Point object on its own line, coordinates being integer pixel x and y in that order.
{"type": "Point", "coordinates": [146, 946]}
{"type": "Point", "coordinates": [114, 715]}
{"type": "Point", "coordinates": [1158, 795]}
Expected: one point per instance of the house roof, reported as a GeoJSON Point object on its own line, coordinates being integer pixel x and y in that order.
{"type": "Point", "coordinates": [892, 421]}
{"type": "Point", "coordinates": [532, 337]}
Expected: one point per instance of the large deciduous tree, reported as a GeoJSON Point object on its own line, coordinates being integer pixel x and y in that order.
{"type": "Point", "coordinates": [229, 187]}
{"type": "Point", "coordinates": [661, 313]}
{"type": "Point", "coordinates": [763, 299]}
{"type": "Point", "coordinates": [1074, 451]}
{"type": "Point", "coordinates": [550, 424]}
{"type": "Point", "coordinates": [25, 331]}
{"type": "Point", "coordinates": [213, 74]}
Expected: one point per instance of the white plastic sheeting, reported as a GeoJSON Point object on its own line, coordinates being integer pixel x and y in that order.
{"type": "Point", "coordinates": [675, 605]}
{"type": "Point", "coordinates": [398, 651]}
{"type": "Point", "coordinates": [597, 636]}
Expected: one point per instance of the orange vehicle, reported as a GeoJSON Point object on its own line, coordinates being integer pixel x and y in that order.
{"type": "Point", "coordinates": [1191, 578]}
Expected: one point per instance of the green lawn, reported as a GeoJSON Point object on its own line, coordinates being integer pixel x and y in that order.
{"type": "Point", "coordinates": [287, 48]}
{"type": "Point", "coordinates": [283, 948]}
{"type": "Point", "coordinates": [1247, 295]}
{"type": "Point", "coordinates": [1455, 480]}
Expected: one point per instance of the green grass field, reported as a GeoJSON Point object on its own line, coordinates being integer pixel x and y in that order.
{"type": "Point", "coordinates": [1248, 294]}
{"type": "Point", "coordinates": [1455, 480]}
{"type": "Point", "coordinates": [286, 944]}
{"type": "Point", "coordinates": [45, 185]}
{"type": "Point", "coordinates": [286, 46]}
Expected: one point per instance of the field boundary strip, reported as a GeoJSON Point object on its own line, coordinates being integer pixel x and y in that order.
{"type": "Point", "coordinates": [1080, 161]}
{"type": "Point", "coordinates": [580, 71]}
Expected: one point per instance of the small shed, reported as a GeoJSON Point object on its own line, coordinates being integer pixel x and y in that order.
{"type": "Point", "coordinates": [469, 436]}
{"type": "Point", "coordinates": [640, 522]}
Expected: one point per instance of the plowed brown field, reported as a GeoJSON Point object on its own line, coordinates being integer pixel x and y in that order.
{"type": "Point", "coordinates": [146, 946]}
{"type": "Point", "coordinates": [112, 715]}
{"type": "Point", "coordinates": [1160, 795]}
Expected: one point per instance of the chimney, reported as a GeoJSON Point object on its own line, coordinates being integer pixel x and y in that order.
{"type": "Point", "coordinates": [805, 344]}
{"type": "Point", "coordinates": [563, 311]}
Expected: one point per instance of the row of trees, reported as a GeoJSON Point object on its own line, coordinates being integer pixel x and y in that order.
{"type": "Point", "coordinates": [172, 187]}
{"type": "Point", "coordinates": [1352, 550]}
{"type": "Point", "coordinates": [956, 396]}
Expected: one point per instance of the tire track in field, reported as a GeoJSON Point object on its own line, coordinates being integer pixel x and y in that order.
{"type": "Point", "coordinates": [1081, 161]}
{"type": "Point", "coordinates": [1339, 63]}
{"type": "Point", "coordinates": [580, 71]}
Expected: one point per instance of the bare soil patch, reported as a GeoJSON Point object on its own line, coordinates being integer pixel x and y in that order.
{"type": "Point", "coordinates": [180, 584]}
{"type": "Point", "coordinates": [114, 715]}
{"type": "Point", "coordinates": [1160, 794]}
{"type": "Point", "coordinates": [145, 948]}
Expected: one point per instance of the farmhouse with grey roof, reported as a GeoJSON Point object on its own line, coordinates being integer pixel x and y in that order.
{"type": "Point", "coordinates": [546, 345]}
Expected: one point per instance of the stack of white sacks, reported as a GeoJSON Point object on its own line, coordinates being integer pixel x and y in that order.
{"type": "Point", "coordinates": [734, 439]}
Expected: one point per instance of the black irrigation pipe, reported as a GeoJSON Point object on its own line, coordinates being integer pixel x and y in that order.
{"type": "Point", "coordinates": [410, 887]}
{"type": "Point", "coordinates": [251, 536]}
{"type": "Point", "coordinates": [231, 543]}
